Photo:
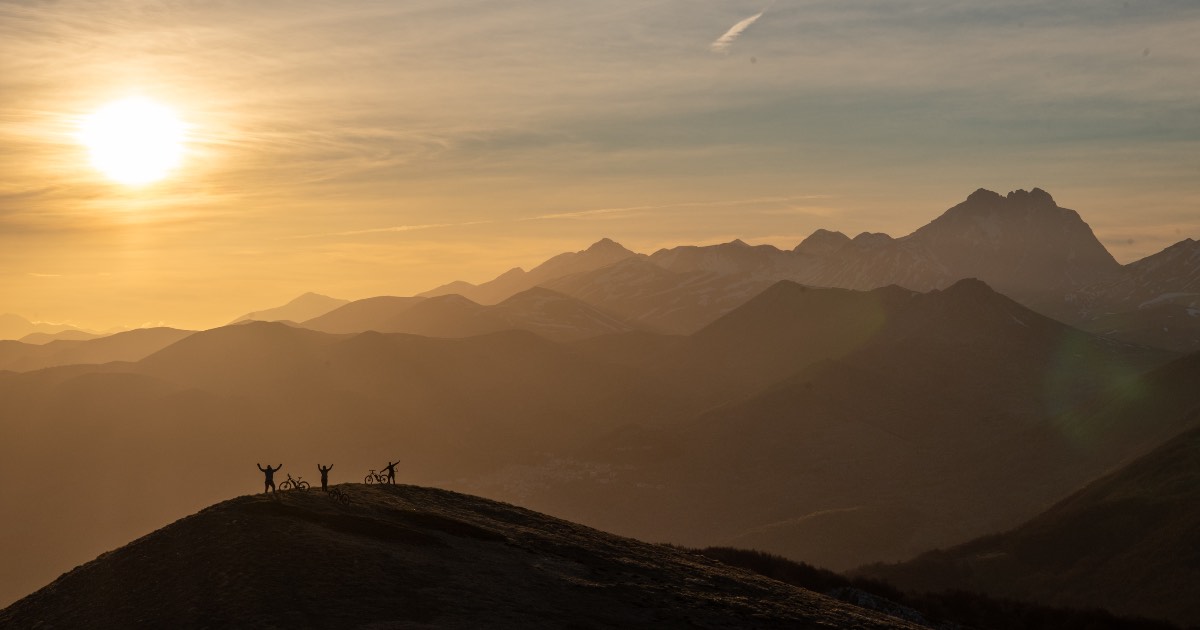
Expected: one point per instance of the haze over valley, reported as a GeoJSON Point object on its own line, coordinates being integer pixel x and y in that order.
{"type": "Point", "coordinates": [599, 314]}
{"type": "Point", "coordinates": [850, 401]}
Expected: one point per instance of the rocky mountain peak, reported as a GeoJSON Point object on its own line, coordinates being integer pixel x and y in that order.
{"type": "Point", "coordinates": [822, 242]}
{"type": "Point", "coordinates": [872, 239]}
{"type": "Point", "coordinates": [1035, 197]}
{"type": "Point", "coordinates": [1021, 244]}
{"type": "Point", "coordinates": [607, 245]}
{"type": "Point", "coordinates": [984, 195]}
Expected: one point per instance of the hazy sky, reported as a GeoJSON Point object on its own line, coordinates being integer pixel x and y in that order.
{"type": "Point", "coordinates": [368, 148]}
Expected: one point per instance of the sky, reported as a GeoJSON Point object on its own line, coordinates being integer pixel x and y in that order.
{"type": "Point", "coordinates": [383, 148]}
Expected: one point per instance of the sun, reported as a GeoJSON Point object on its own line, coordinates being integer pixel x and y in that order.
{"type": "Point", "coordinates": [134, 141]}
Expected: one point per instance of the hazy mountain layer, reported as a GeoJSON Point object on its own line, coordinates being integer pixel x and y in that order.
{"type": "Point", "coordinates": [303, 308]}
{"type": "Point", "coordinates": [839, 426]}
{"type": "Point", "coordinates": [842, 412]}
{"type": "Point", "coordinates": [542, 311]}
{"type": "Point", "coordinates": [131, 345]}
{"type": "Point", "coordinates": [601, 254]}
{"type": "Point", "coordinates": [658, 299]}
{"type": "Point", "coordinates": [15, 327]}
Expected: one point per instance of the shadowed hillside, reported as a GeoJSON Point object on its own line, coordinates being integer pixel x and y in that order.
{"type": "Point", "coordinates": [853, 425]}
{"type": "Point", "coordinates": [1129, 542]}
{"type": "Point", "coordinates": [405, 556]}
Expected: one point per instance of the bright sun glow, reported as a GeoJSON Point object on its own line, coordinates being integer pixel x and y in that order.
{"type": "Point", "coordinates": [133, 141]}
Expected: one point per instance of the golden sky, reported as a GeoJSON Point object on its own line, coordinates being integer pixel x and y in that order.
{"type": "Point", "coordinates": [368, 148]}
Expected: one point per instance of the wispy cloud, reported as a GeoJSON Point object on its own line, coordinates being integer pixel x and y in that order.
{"type": "Point", "coordinates": [724, 42]}
{"type": "Point", "coordinates": [583, 214]}
{"type": "Point", "coordinates": [572, 214]}
{"type": "Point", "coordinates": [391, 228]}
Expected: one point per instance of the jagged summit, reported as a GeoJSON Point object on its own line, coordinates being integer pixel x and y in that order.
{"type": "Point", "coordinates": [1021, 244]}
{"type": "Point", "coordinates": [1037, 196]}
{"type": "Point", "coordinates": [406, 556]}
{"type": "Point", "coordinates": [1034, 196]}
{"type": "Point", "coordinates": [983, 194]}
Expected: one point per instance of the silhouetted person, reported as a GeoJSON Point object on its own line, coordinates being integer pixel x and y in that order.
{"type": "Point", "coordinates": [269, 482]}
{"type": "Point", "coordinates": [390, 469]}
{"type": "Point", "coordinates": [325, 476]}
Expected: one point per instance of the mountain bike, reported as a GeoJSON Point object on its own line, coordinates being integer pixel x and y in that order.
{"type": "Point", "coordinates": [339, 496]}
{"type": "Point", "coordinates": [374, 477]}
{"type": "Point", "coordinates": [293, 484]}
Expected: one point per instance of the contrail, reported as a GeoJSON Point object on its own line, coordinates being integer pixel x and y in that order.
{"type": "Point", "coordinates": [725, 41]}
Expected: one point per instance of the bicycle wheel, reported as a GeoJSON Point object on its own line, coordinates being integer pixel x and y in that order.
{"type": "Point", "coordinates": [303, 485]}
{"type": "Point", "coordinates": [287, 485]}
{"type": "Point", "coordinates": [369, 479]}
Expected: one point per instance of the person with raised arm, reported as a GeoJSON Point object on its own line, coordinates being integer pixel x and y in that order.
{"type": "Point", "coordinates": [390, 469]}
{"type": "Point", "coordinates": [269, 473]}
{"type": "Point", "coordinates": [325, 476]}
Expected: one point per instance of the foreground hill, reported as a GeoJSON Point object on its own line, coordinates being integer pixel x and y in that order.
{"type": "Point", "coordinates": [405, 556]}
{"type": "Point", "coordinates": [1129, 542]}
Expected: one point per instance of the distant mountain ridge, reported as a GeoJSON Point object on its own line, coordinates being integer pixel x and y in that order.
{"type": "Point", "coordinates": [600, 254]}
{"type": "Point", "coordinates": [539, 310]}
{"type": "Point", "coordinates": [302, 308]}
{"type": "Point", "coordinates": [1023, 244]}
{"type": "Point", "coordinates": [15, 327]}
{"type": "Point", "coordinates": [131, 345]}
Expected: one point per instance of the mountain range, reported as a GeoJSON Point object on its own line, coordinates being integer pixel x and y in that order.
{"type": "Point", "coordinates": [919, 402]}
{"type": "Point", "coordinates": [1022, 244]}
{"type": "Point", "coordinates": [543, 311]}
{"type": "Point", "coordinates": [851, 401]}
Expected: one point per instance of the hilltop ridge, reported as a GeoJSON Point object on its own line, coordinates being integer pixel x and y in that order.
{"type": "Point", "coordinates": [407, 556]}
